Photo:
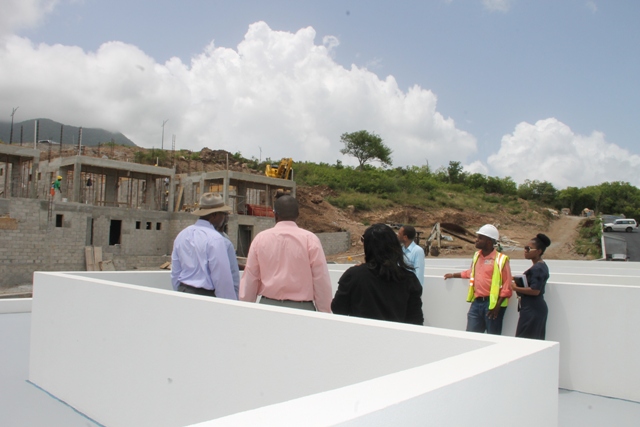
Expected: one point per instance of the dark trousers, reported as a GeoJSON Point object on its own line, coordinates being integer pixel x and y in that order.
{"type": "Point", "coordinates": [478, 320]}
{"type": "Point", "coordinates": [197, 291]}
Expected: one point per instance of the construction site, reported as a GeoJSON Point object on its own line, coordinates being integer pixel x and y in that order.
{"type": "Point", "coordinates": [107, 213]}
{"type": "Point", "coordinates": [111, 213]}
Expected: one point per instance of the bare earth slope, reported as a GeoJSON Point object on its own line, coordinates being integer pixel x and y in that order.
{"type": "Point", "coordinates": [319, 216]}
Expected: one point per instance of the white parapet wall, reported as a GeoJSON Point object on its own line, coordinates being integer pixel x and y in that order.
{"type": "Point", "coordinates": [125, 355]}
{"type": "Point", "coordinates": [592, 314]}
{"type": "Point", "coordinates": [15, 305]}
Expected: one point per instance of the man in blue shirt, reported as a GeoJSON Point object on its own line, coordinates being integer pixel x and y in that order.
{"type": "Point", "coordinates": [203, 261]}
{"type": "Point", "coordinates": [413, 253]}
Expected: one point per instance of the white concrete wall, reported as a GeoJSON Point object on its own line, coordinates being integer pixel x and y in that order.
{"type": "Point", "coordinates": [15, 305]}
{"type": "Point", "coordinates": [596, 326]}
{"type": "Point", "coordinates": [160, 279]}
{"type": "Point", "coordinates": [451, 392]}
{"type": "Point", "coordinates": [593, 314]}
{"type": "Point", "coordinates": [126, 355]}
{"type": "Point", "coordinates": [592, 321]}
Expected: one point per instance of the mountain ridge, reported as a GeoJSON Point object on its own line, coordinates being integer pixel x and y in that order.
{"type": "Point", "coordinates": [50, 130]}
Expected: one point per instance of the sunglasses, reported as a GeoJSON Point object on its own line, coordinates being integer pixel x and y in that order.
{"type": "Point", "coordinates": [529, 248]}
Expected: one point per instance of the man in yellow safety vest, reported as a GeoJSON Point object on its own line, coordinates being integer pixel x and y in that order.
{"type": "Point", "coordinates": [489, 283]}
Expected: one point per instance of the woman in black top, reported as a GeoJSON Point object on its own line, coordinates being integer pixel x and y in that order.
{"type": "Point", "coordinates": [384, 287]}
{"type": "Point", "coordinates": [533, 308]}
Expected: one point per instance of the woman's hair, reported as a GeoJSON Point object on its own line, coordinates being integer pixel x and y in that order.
{"type": "Point", "coordinates": [542, 242]}
{"type": "Point", "coordinates": [383, 253]}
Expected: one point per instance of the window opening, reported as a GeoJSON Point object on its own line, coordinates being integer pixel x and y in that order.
{"type": "Point", "coordinates": [114, 232]}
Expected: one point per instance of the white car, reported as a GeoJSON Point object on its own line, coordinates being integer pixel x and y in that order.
{"type": "Point", "coordinates": [623, 224]}
{"type": "Point", "coordinates": [619, 257]}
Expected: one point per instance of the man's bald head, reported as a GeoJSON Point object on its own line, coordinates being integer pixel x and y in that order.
{"type": "Point", "coordinates": [286, 208]}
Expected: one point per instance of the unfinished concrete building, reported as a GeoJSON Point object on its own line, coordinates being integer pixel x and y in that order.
{"type": "Point", "coordinates": [250, 196]}
{"type": "Point", "coordinates": [104, 182]}
{"type": "Point", "coordinates": [128, 214]}
{"type": "Point", "coordinates": [18, 167]}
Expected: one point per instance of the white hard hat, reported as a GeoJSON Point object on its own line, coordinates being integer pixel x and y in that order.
{"type": "Point", "coordinates": [489, 231]}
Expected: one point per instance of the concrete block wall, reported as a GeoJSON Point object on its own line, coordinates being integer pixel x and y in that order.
{"type": "Point", "coordinates": [30, 242]}
{"type": "Point", "coordinates": [334, 243]}
{"type": "Point", "coordinates": [36, 243]}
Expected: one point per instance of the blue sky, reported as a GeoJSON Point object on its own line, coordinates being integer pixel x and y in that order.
{"type": "Point", "coordinates": [541, 90]}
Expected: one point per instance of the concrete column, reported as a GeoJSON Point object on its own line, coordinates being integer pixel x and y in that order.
{"type": "Point", "coordinates": [241, 188]}
{"type": "Point", "coordinates": [172, 192]}
{"type": "Point", "coordinates": [33, 185]}
{"type": "Point", "coordinates": [267, 197]}
{"type": "Point", "coordinates": [14, 180]}
{"type": "Point", "coordinates": [151, 193]}
{"type": "Point", "coordinates": [6, 191]}
{"type": "Point", "coordinates": [225, 188]}
{"type": "Point", "coordinates": [110, 188]}
{"type": "Point", "coordinates": [77, 184]}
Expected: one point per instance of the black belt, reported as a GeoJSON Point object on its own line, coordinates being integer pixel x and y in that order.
{"type": "Point", "coordinates": [482, 298]}
{"type": "Point", "coordinates": [287, 300]}
{"type": "Point", "coordinates": [183, 287]}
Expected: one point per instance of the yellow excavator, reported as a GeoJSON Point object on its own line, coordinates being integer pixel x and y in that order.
{"type": "Point", "coordinates": [282, 171]}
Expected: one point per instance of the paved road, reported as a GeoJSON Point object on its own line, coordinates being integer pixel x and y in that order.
{"type": "Point", "coordinates": [633, 242]}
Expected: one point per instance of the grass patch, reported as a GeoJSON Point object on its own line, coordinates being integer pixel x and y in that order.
{"type": "Point", "coordinates": [589, 242]}
{"type": "Point", "coordinates": [360, 201]}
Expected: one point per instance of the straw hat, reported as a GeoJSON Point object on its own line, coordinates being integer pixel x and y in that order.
{"type": "Point", "coordinates": [210, 203]}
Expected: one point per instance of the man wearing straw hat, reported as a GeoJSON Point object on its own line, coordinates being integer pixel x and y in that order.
{"type": "Point", "coordinates": [203, 262]}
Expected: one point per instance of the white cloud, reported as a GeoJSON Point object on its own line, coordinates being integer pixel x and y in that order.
{"type": "Point", "coordinates": [591, 5]}
{"type": "Point", "coordinates": [18, 14]}
{"type": "Point", "coordinates": [278, 90]}
{"type": "Point", "coordinates": [330, 42]}
{"type": "Point", "coordinates": [497, 5]}
{"type": "Point", "coordinates": [550, 151]}
{"type": "Point", "coordinates": [476, 167]}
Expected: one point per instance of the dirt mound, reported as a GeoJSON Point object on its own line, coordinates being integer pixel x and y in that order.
{"type": "Point", "coordinates": [319, 216]}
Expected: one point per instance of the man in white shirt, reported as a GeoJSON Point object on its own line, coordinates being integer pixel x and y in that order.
{"type": "Point", "coordinates": [413, 253]}
{"type": "Point", "coordinates": [203, 261]}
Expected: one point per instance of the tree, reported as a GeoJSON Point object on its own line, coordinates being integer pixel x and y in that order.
{"type": "Point", "coordinates": [366, 147]}
{"type": "Point", "coordinates": [543, 192]}
{"type": "Point", "coordinates": [569, 197]}
{"type": "Point", "coordinates": [456, 173]}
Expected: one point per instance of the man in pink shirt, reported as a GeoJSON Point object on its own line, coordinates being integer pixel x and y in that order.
{"type": "Point", "coordinates": [489, 283]}
{"type": "Point", "coordinates": [286, 264]}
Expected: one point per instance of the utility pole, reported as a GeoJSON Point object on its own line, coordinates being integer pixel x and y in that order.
{"type": "Point", "coordinates": [173, 149]}
{"type": "Point", "coordinates": [36, 128]}
{"type": "Point", "coordinates": [11, 134]}
{"type": "Point", "coordinates": [162, 145]}
{"type": "Point", "coordinates": [79, 140]}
